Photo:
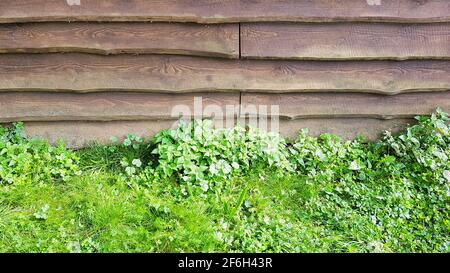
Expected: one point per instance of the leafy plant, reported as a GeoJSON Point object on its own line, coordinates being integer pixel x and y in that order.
{"type": "Point", "coordinates": [28, 160]}
{"type": "Point", "coordinates": [238, 190]}
{"type": "Point", "coordinates": [41, 214]}
{"type": "Point", "coordinates": [396, 188]}
{"type": "Point", "coordinates": [197, 154]}
{"type": "Point", "coordinates": [117, 156]}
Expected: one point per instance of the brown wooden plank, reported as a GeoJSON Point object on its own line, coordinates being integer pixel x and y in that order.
{"type": "Point", "coordinates": [156, 73]}
{"type": "Point", "coordinates": [200, 11]}
{"type": "Point", "coordinates": [78, 134]}
{"type": "Point", "coordinates": [348, 10]}
{"type": "Point", "coordinates": [37, 106]}
{"type": "Point", "coordinates": [44, 106]}
{"type": "Point", "coordinates": [337, 41]}
{"type": "Point", "coordinates": [323, 105]}
{"type": "Point", "coordinates": [220, 11]}
{"type": "Point", "coordinates": [347, 128]}
{"type": "Point", "coordinates": [112, 38]}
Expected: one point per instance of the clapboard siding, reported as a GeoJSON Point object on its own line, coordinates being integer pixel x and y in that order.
{"type": "Point", "coordinates": [45, 106]}
{"type": "Point", "coordinates": [220, 11]}
{"type": "Point", "coordinates": [344, 41]}
{"type": "Point", "coordinates": [348, 10]}
{"type": "Point", "coordinates": [78, 134]}
{"type": "Point", "coordinates": [108, 68]}
{"type": "Point", "coordinates": [199, 11]}
{"type": "Point", "coordinates": [333, 41]}
{"type": "Point", "coordinates": [304, 106]}
{"type": "Point", "coordinates": [156, 73]}
{"type": "Point", "coordinates": [347, 128]}
{"type": "Point", "coordinates": [114, 38]}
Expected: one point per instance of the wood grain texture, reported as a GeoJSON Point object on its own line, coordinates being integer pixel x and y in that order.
{"type": "Point", "coordinates": [344, 105]}
{"type": "Point", "coordinates": [220, 11]}
{"type": "Point", "coordinates": [344, 41]}
{"type": "Point", "coordinates": [150, 73]}
{"type": "Point", "coordinates": [114, 38]}
{"type": "Point", "coordinates": [44, 106]}
{"type": "Point", "coordinates": [348, 10]}
{"type": "Point", "coordinates": [79, 134]}
{"type": "Point", "coordinates": [199, 11]}
{"type": "Point", "coordinates": [347, 128]}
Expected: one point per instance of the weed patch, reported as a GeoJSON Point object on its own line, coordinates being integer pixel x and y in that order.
{"type": "Point", "coordinates": [199, 189]}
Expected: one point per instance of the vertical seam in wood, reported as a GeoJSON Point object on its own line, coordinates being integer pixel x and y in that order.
{"type": "Point", "coordinates": [240, 56]}
{"type": "Point", "coordinates": [240, 104]}
{"type": "Point", "coordinates": [239, 30]}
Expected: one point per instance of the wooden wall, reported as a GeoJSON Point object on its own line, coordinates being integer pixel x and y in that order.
{"type": "Point", "coordinates": [102, 68]}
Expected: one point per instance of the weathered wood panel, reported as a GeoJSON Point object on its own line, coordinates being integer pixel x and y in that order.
{"type": "Point", "coordinates": [347, 128]}
{"type": "Point", "coordinates": [151, 73]}
{"type": "Point", "coordinates": [200, 11]}
{"type": "Point", "coordinates": [348, 10]}
{"type": "Point", "coordinates": [78, 134]}
{"type": "Point", "coordinates": [44, 106]}
{"type": "Point", "coordinates": [219, 11]}
{"type": "Point", "coordinates": [314, 105]}
{"type": "Point", "coordinates": [343, 41]}
{"type": "Point", "coordinates": [113, 38]}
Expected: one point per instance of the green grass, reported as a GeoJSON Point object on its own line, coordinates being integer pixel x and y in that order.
{"type": "Point", "coordinates": [100, 212]}
{"type": "Point", "coordinates": [309, 195]}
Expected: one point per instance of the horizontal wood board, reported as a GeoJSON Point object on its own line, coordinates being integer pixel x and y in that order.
{"type": "Point", "coordinates": [345, 41]}
{"type": "Point", "coordinates": [45, 106]}
{"type": "Point", "coordinates": [177, 74]}
{"type": "Point", "coordinates": [224, 11]}
{"type": "Point", "coordinates": [79, 134]}
{"type": "Point", "coordinates": [322, 105]}
{"type": "Point", "coordinates": [115, 38]}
